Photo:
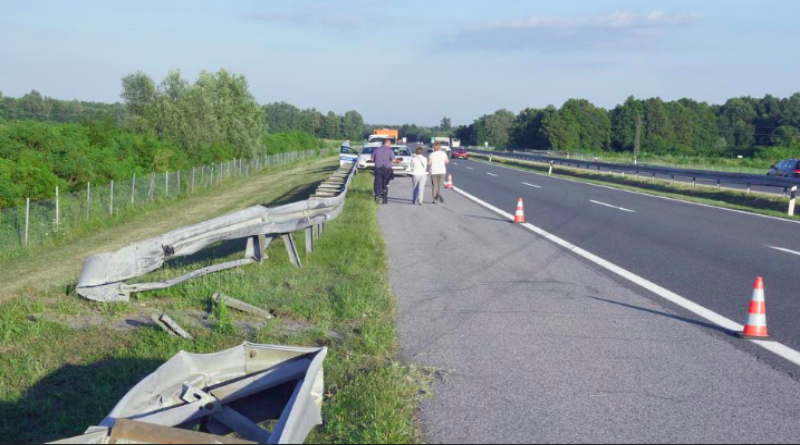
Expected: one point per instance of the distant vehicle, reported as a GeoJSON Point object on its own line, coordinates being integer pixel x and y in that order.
{"type": "Point", "coordinates": [455, 143]}
{"type": "Point", "coordinates": [348, 155]}
{"type": "Point", "coordinates": [400, 166]}
{"type": "Point", "coordinates": [789, 168]}
{"type": "Point", "coordinates": [394, 135]}
{"type": "Point", "coordinates": [380, 138]}
{"type": "Point", "coordinates": [461, 153]}
{"type": "Point", "coordinates": [445, 144]}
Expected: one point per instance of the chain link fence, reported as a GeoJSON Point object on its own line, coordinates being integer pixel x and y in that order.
{"type": "Point", "coordinates": [42, 221]}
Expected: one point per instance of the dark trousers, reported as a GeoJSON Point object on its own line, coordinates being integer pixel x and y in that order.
{"type": "Point", "coordinates": [382, 178]}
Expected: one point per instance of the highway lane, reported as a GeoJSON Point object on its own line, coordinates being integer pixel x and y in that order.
{"type": "Point", "coordinates": [687, 180]}
{"type": "Point", "coordinates": [708, 255]}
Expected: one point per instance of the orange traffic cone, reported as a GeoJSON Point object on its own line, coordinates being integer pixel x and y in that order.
{"type": "Point", "coordinates": [757, 322]}
{"type": "Point", "coordinates": [519, 218]}
{"type": "Point", "coordinates": [449, 183]}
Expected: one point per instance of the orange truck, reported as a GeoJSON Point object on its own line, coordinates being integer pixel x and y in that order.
{"type": "Point", "coordinates": [394, 135]}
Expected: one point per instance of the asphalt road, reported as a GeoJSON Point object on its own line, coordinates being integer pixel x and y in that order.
{"type": "Point", "coordinates": [537, 346]}
{"type": "Point", "coordinates": [708, 255]}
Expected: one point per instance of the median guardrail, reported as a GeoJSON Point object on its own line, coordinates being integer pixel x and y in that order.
{"type": "Point", "coordinates": [788, 185]}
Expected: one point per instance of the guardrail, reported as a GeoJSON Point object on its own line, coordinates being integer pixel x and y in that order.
{"type": "Point", "coordinates": [104, 275]}
{"type": "Point", "coordinates": [788, 185]}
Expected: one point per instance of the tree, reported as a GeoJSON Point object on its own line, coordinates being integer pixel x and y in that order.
{"type": "Point", "coordinates": [446, 125]}
{"type": "Point", "coordinates": [331, 127]}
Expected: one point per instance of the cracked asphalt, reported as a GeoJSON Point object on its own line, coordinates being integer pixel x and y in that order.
{"type": "Point", "coordinates": [538, 346]}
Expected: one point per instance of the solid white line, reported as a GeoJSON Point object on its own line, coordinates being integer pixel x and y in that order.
{"type": "Point", "coordinates": [470, 168]}
{"type": "Point", "coordinates": [707, 314]}
{"type": "Point", "coordinates": [784, 250]}
{"type": "Point", "coordinates": [612, 207]}
{"type": "Point", "coordinates": [492, 174]}
{"type": "Point", "coordinates": [532, 185]}
{"type": "Point", "coordinates": [742, 212]}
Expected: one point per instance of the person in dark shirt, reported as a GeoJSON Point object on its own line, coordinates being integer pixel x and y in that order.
{"type": "Point", "coordinates": [384, 158]}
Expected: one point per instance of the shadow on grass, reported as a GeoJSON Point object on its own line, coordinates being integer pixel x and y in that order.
{"type": "Point", "coordinates": [70, 400]}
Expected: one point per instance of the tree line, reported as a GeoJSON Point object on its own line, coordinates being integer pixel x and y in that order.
{"type": "Point", "coordinates": [170, 125]}
{"type": "Point", "coordinates": [742, 126]}
{"type": "Point", "coordinates": [281, 117]}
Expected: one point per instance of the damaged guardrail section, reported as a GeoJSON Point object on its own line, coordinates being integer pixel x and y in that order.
{"type": "Point", "coordinates": [104, 275]}
{"type": "Point", "coordinates": [233, 391]}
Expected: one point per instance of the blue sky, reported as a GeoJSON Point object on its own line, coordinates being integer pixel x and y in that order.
{"type": "Point", "coordinates": [413, 61]}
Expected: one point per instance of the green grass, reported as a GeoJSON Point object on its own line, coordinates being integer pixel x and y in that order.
{"type": "Point", "coordinates": [726, 198]}
{"type": "Point", "coordinates": [748, 165]}
{"type": "Point", "coordinates": [56, 380]}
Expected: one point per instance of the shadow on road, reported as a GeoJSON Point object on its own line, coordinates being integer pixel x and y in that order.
{"type": "Point", "coordinates": [670, 316]}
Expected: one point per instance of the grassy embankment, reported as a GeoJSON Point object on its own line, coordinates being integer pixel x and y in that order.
{"type": "Point", "coordinates": [770, 205]}
{"type": "Point", "coordinates": [65, 362]}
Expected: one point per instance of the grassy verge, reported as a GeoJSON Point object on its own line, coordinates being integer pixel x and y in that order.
{"type": "Point", "coordinates": [730, 199]}
{"type": "Point", "coordinates": [65, 362]}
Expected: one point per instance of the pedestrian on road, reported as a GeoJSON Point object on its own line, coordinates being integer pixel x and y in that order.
{"type": "Point", "coordinates": [419, 175]}
{"type": "Point", "coordinates": [438, 167]}
{"type": "Point", "coordinates": [346, 145]}
{"type": "Point", "coordinates": [384, 158]}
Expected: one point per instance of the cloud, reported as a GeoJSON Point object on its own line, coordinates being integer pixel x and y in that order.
{"type": "Point", "coordinates": [341, 15]}
{"type": "Point", "coordinates": [622, 30]}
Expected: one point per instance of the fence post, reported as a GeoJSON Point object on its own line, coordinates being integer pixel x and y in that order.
{"type": "Point", "coordinates": [166, 192]}
{"type": "Point", "coordinates": [27, 219]}
{"type": "Point", "coordinates": [194, 170]}
{"type": "Point", "coordinates": [152, 192]}
{"type": "Point", "coordinates": [111, 200]}
{"type": "Point", "coordinates": [792, 201]}
{"type": "Point", "coordinates": [88, 200]}
{"type": "Point", "coordinates": [133, 190]}
{"type": "Point", "coordinates": [179, 182]}
{"type": "Point", "coordinates": [212, 176]}
{"type": "Point", "coordinates": [58, 210]}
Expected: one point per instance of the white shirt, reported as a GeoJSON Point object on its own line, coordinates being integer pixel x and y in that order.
{"type": "Point", "coordinates": [439, 161]}
{"type": "Point", "coordinates": [419, 165]}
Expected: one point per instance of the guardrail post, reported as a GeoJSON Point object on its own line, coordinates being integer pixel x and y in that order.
{"type": "Point", "coordinates": [291, 249]}
{"type": "Point", "coordinates": [673, 179]}
{"type": "Point", "coordinates": [310, 239]}
{"type": "Point", "coordinates": [88, 200]}
{"type": "Point", "coordinates": [719, 184]}
{"type": "Point", "coordinates": [551, 168]}
{"type": "Point", "coordinates": [58, 210]}
{"type": "Point", "coordinates": [27, 220]}
{"type": "Point", "coordinates": [792, 201]}
{"type": "Point", "coordinates": [749, 187]}
{"type": "Point", "coordinates": [694, 183]}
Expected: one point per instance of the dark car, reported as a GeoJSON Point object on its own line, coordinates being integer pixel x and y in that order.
{"type": "Point", "coordinates": [789, 168]}
{"type": "Point", "coordinates": [460, 153]}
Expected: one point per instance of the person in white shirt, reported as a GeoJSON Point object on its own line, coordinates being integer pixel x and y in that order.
{"type": "Point", "coordinates": [438, 166]}
{"type": "Point", "coordinates": [419, 175]}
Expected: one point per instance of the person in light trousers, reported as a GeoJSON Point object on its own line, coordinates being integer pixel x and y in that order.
{"type": "Point", "coordinates": [437, 163]}
{"type": "Point", "coordinates": [419, 175]}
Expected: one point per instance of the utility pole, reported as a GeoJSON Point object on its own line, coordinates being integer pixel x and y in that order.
{"type": "Point", "coordinates": [637, 149]}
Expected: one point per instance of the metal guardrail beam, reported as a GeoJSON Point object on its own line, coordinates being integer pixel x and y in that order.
{"type": "Point", "coordinates": [104, 275]}
{"type": "Point", "coordinates": [789, 185]}
{"type": "Point", "coordinates": [724, 177]}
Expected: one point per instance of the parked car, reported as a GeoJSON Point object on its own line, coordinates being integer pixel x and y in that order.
{"type": "Point", "coordinates": [461, 153]}
{"type": "Point", "coordinates": [789, 168]}
{"type": "Point", "coordinates": [348, 156]}
{"type": "Point", "coordinates": [400, 166]}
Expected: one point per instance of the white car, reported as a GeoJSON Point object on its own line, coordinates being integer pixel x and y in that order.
{"type": "Point", "coordinates": [402, 162]}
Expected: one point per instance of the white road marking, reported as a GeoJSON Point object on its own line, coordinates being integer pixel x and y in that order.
{"type": "Point", "coordinates": [776, 348]}
{"type": "Point", "coordinates": [612, 207]}
{"type": "Point", "coordinates": [781, 249]}
{"type": "Point", "coordinates": [470, 168]}
{"type": "Point", "coordinates": [532, 185]}
{"type": "Point", "coordinates": [492, 174]}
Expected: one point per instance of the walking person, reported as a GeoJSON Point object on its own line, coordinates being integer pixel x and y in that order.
{"type": "Point", "coordinates": [438, 167]}
{"type": "Point", "coordinates": [384, 158]}
{"type": "Point", "coordinates": [419, 175]}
